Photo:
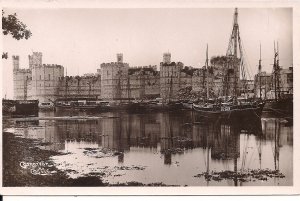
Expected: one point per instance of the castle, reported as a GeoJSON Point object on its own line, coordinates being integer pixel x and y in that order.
{"type": "Point", "coordinates": [40, 81]}
{"type": "Point", "coordinates": [117, 81]}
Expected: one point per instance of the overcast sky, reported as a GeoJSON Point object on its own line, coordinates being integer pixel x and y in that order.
{"type": "Point", "coordinates": [82, 39]}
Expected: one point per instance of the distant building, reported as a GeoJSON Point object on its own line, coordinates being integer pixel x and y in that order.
{"type": "Point", "coordinates": [40, 81]}
{"type": "Point", "coordinates": [169, 78]}
{"type": "Point", "coordinates": [114, 80]}
{"type": "Point", "coordinates": [226, 71]}
{"type": "Point", "coordinates": [264, 84]}
{"type": "Point", "coordinates": [247, 88]}
{"type": "Point", "coordinates": [286, 81]}
{"type": "Point", "coordinates": [80, 87]}
{"type": "Point", "coordinates": [144, 82]}
{"type": "Point", "coordinates": [221, 78]}
{"type": "Point", "coordinates": [21, 80]}
{"type": "Point", "coordinates": [117, 81]}
{"type": "Point", "coordinates": [45, 82]}
{"type": "Point", "coordinates": [201, 78]}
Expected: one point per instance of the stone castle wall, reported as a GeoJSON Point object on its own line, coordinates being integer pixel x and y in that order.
{"type": "Point", "coordinates": [80, 87]}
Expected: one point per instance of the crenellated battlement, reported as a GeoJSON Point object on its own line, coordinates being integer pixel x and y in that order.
{"type": "Point", "coordinates": [15, 57]}
{"type": "Point", "coordinates": [114, 64]}
{"type": "Point", "coordinates": [52, 66]}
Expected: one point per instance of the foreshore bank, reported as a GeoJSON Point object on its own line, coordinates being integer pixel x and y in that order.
{"type": "Point", "coordinates": [24, 164]}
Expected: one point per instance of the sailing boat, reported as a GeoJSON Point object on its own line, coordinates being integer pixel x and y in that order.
{"type": "Point", "coordinates": [234, 106]}
{"type": "Point", "coordinates": [282, 103]}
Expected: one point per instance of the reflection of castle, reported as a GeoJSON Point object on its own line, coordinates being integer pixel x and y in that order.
{"type": "Point", "coordinates": [169, 133]}
{"type": "Point", "coordinates": [226, 143]}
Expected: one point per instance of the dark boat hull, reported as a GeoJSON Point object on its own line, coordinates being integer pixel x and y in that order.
{"type": "Point", "coordinates": [20, 108]}
{"type": "Point", "coordinates": [282, 106]}
{"type": "Point", "coordinates": [234, 112]}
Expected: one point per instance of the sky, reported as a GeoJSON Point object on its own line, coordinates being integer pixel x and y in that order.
{"type": "Point", "coordinates": [82, 39]}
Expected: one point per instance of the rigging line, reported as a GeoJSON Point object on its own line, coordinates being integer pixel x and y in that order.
{"type": "Point", "coordinates": [244, 56]}
{"type": "Point", "coordinates": [246, 60]}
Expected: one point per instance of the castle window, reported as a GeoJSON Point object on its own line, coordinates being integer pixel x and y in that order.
{"type": "Point", "coordinates": [40, 77]}
{"type": "Point", "coordinates": [49, 76]}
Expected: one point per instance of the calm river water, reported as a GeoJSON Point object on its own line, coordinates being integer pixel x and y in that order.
{"type": "Point", "coordinates": [168, 148]}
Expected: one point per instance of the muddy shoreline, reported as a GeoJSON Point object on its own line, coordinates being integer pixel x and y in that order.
{"type": "Point", "coordinates": [19, 152]}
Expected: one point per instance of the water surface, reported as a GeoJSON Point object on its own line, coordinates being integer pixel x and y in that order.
{"type": "Point", "coordinates": [169, 148]}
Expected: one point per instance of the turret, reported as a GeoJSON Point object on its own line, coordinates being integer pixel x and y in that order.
{"type": "Point", "coordinates": [16, 62]}
{"type": "Point", "coordinates": [167, 58]}
{"type": "Point", "coordinates": [35, 60]}
{"type": "Point", "coordinates": [120, 58]}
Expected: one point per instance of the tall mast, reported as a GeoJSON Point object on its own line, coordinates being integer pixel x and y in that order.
{"type": "Point", "coordinates": [232, 54]}
{"type": "Point", "coordinates": [235, 30]}
{"type": "Point", "coordinates": [275, 71]}
{"type": "Point", "coordinates": [259, 71]}
{"type": "Point", "coordinates": [278, 71]}
{"type": "Point", "coordinates": [207, 77]}
{"type": "Point", "coordinates": [234, 38]}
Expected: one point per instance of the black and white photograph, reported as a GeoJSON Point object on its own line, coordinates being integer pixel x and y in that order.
{"type": "Point", "coordinates": [148, 97]}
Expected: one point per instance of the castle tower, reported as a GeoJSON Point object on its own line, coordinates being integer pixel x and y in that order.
{"type": "Point", "coordinates": [16, 62]}
{"type": "Point", "coordinates": [167, 58]}
{"type": "Point", "coordinates": [120, 58]}
{"type": "Point", "coordinates": [35, 60]}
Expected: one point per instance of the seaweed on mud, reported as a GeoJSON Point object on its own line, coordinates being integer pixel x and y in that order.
{"type": "Point", "coordinates": [135, 183]}
{"type": "Point", "coordinates": [243, 176]}
{"type": "Point", "coordinates": [133, 167]}
{"type": "Point", "coordinates": [101, 152]}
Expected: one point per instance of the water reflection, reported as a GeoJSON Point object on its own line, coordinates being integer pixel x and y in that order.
{"type": "Point", "coordinates": [217, 145]}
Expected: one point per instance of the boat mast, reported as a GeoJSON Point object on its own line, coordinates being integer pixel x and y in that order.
{"type": "Point", "coordinates": [275, 71]}
{"type": "Point", "coordinates": [259, 71]}
{"type": "Point", "coordinates": [235, 32]}
{"type": "Point", "coordinates": [207, 77]}
{"type": "Point", "coordinates": [232, 50]}
{"type": "Point", "coordinates": [278, 71]}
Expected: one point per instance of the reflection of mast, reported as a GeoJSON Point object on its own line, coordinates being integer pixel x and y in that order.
{"type": "Point", "coordinates": [276, 151]}
{"type": "Point", "coordinates": [120, 144]}
{"type": "Point", "coordinates": [235, 160]}
{"type": "Point", "coordinates": [207, 147]}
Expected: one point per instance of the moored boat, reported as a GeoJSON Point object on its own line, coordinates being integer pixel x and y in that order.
{"type": "Point", "coordinates": [230, 104]}
{"type": "Point", "coordinates": [230, 110]}
{"type": "Point", "coordinates": [20, 108]}
{"type": "Point", "coordinates": [46, 106]}
{"type": "Point", "coordinates": [187, 105]}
